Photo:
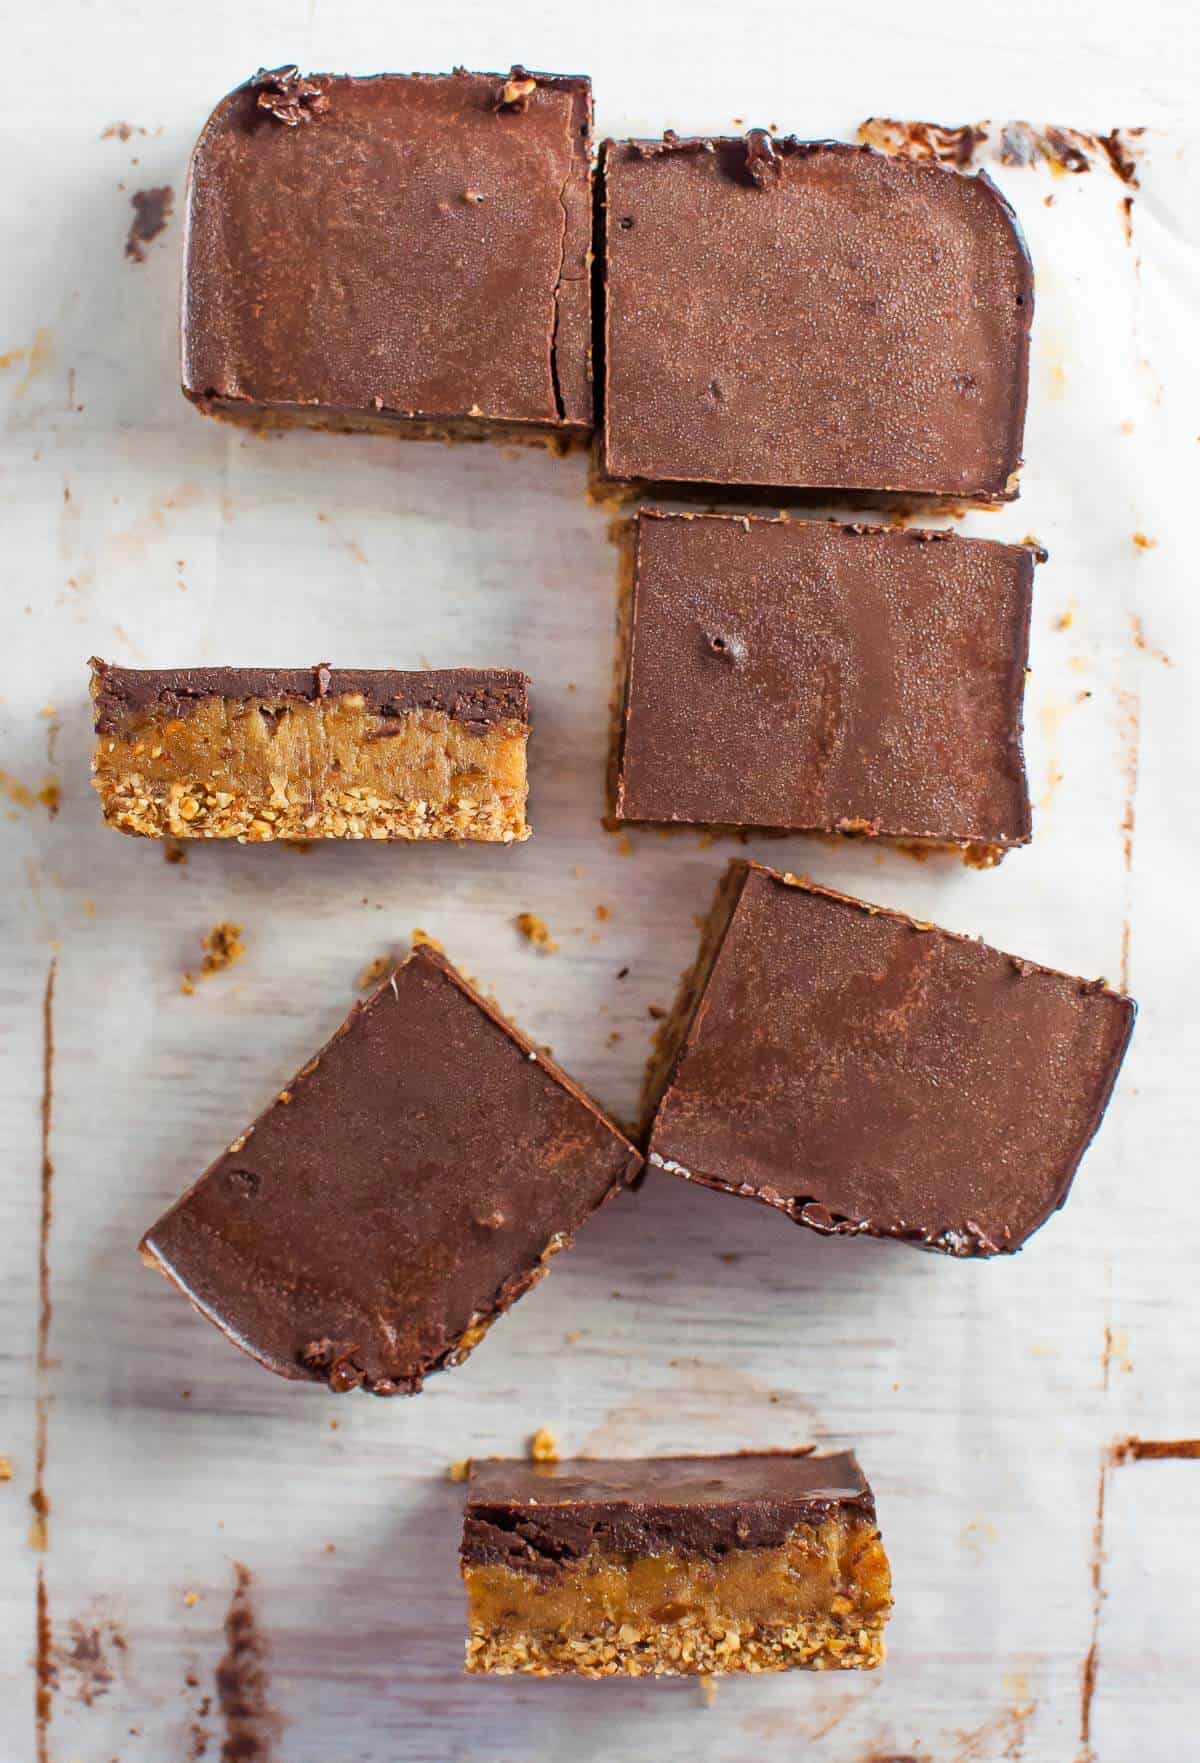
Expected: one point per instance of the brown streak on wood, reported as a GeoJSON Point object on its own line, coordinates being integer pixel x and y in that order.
{"type": "Point", "coordinates": [1129, 704]}
{"type": "Point", "coordinates": [243, 1687]}
{"type": "Point", "coordinates": [1091, 1662]}
{"type": "Point", "coordinates": [43, 1683]}
{"type": "Point", "coordinates": [39, 1530]}
{"type": "Point", "coordinates": [1135, 1450]}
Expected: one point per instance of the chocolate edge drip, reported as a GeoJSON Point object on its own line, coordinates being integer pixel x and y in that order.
{"type": "Point", "coordinates": [470, 695]}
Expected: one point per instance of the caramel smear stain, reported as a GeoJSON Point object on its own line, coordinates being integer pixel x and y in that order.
{"type": "Point", "coordinates": [121, 131]}
{"type": "Point", "coordinates": [1001, 1736]}
{"type": "Point", "coordinates": [1116, 1342]}
{"type": "Point", "coordinates": [708, 1689]}
{"type": "Point", "coordinates": [1142, 642]}
{"type": "Point", "coordinates": [251, 1725]}
{"type": "Point", "coordinates": [151, 211]}
{"type": "Point", "coordinates": [50, 796]}
{"type": "Point", "coordinates": [1016, 143]}
{"type": "Point", "coordinates": [222, 947]}
{"type": "Point", "coordinates": [39, 358]}
{"type": "Point", "coordinates": [1129, 707]}
{"type": "Point", "coordinates": [543, 1446]}
{"type": "Point", "coordinates": [536, 931]}
{"type": "Point", "coordinates": [1091, 1659]}
{"type": "Point", "coordinates": [17, 792]}
{"type": "Point", "coordinates": [173, 851]}
{"type": "Point", "coordinates": [421, 939]}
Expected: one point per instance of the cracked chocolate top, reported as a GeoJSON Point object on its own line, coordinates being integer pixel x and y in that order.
{"type": "Point", "coordinates": [804, 674]}
{"type": "Point", "coordinates": [870, 1074]}
{"type": "Point", "coordinates": [402, 1191]}
{"type": "Point", "coordinates": [408, 244]}
{"type": "Point", "coordinates": [809, 315]}
{"type": "Point", "coordinates": [481, 696]}
{"type": "Point", "coordinates": [539, 1517]}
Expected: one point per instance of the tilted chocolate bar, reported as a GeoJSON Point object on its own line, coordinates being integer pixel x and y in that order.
{"type": "Point", "coordinates": [868, 1074]}
{"type": "Point", "coordinates": [408, 1185]}
{"type": "Point", "coordinates": [257, 753]}
{"type": "Point", "coordinates": [673, 1566]}
{"type": "Point", "coordinates": [792, 316]}
{"type": "Point", "coordinates": [808, 676]}
{"type": "Point", "coordinates": [407, 252]}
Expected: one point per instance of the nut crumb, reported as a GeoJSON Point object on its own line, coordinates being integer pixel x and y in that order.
{"type": "Point", "coordinates": [6, 1469]}
{"type": "Point", "coordinates": [375, 971]}
{"type": "Point", "coordinates": [460, 1470]}
{"type": "Point", "coordinates": [543, 1446]}
{"type": "Point", "coordinates": [1143, 542]}
{"type": "Point", "coordinates": [1065, 620]}
{"type": "Point", "coordinates": [656, 1011]}
{"type": "Point", "coordinates": [603, 914]}
{"type": "Point", "coordinates": [191, 1599]}
{"type": "Point", "coordinates": [222, 947]}
{"type": "Point", "coordinates": [536, 931]}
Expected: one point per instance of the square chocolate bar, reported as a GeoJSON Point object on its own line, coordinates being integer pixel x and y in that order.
{"type": "Point", "coordinates": [799, 675]}
{"type": "Point", "coordinates": [407, 252]}
{"type": "Point", "coordinates": [787, 316]}
{"type": "Point", "coordinates": [867, 1074]}
{"type": "Point", "coordinates": [407, 1186]}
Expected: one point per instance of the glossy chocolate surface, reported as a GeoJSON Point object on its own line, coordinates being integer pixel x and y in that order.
{"type": "Point", "coordinates": [869, 1074]}
{"type": "Point", "coordinates": [800, 315]}
{"type": "Point", "coordinates": [408, 245]}
{"type": "Point", "coordinates": [804, 675]}
{"type": "Point", "coordinates": [403, 1190]}
{"type": "Point", "coordinates": [534, 1516]}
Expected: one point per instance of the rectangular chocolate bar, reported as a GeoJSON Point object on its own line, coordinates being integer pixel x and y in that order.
{"type": "Point", "coordinates": [867, 1074]}
{"type": "Point", "coordinates": [792, 316]}
{"type": "Point", "coordinates": [408, 252]}
{"type": "Point", "coordinates": [808, 676]}
{"type": "Point", "coordinates": [257, 753]}
{"type": "Point", "coordinates": [407, 1186]}
{"type": "Point", "coordinates": [674, 1566]}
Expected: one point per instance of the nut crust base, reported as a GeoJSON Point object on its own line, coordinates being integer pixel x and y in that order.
{"type": "Point", "coordinates": [679, 1650]}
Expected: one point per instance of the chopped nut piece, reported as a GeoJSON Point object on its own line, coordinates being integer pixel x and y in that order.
{"type": "Point", "coordinates": [460, 1469]}
{"type": "Point", "coordinates": [6, 1469]}
{"type": "Point", "coordinates": [543, 1446]}
{"type": "Point", "coordinates": [223, 946]}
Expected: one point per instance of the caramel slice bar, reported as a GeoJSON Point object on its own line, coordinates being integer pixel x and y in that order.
{"type": "Point", "coordinates": [674, 1566]}
{"type": "Point", "coordinates": [405, 252]}
{"type": "Point", "coordinates": [867, 1074]}
{"type": "Point", "coordinates": [844, 679]}
{"type": "Point", "coordinates": [254, 754]}
{"type": "Point", "coordinates": [786, 317]}
{"type": "Point", "coordinates": [407, 1186]}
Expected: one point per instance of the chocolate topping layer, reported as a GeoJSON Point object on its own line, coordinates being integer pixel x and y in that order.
{"type": "Point", "coordinates": [795, 315]}
{"type": "Point", "coordinates": [408, 245]}
{"type": "Point", "coordinates": [536, 1517]}
{"type": "Point", "coordinates": [798, 674]}
{"type": "Point", "coordinates": [869, 1074]}
{"type": "Point", "coordinates": [403, 1191]}
{"type": "Point", "coordinates": [483, 695]}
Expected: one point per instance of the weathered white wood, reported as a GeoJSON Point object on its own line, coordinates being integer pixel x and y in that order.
{"type": "Point", "coordinates": [983, 1399]}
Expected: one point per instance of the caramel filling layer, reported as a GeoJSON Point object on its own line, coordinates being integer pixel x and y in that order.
{"type": "Point", "coordinates": [819, 1600]}
{"type": "Point", "coordinates": [328, 768]}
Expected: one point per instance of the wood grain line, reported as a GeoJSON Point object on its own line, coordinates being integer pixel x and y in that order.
{"type": "Point", "coordinates": [39, 1530]}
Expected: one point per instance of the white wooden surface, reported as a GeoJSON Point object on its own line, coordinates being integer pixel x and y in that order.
{"type": "Point", "coordinates": [983, 1399]}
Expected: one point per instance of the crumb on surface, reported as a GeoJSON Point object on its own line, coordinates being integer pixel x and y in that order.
{"type": "Point", "coordinates": [375, 970]}
{"type": "Point", "coordinates": [191, 1599]}
{"type": "Point", "coordinates": [460, 1469]}
{"type": "Point", "coordinates": [536, 931]}
{"type": "Point", "coordinates": [543, 1446]}
{"type": "Point", "coordinates": [6, 1469]}
{"type": "Point", "coordinates": [603, 913]}
{"type": "Point", "coordinates": [1065, 620]}
{"type": "Point", "coordinates": [1144, 542]}
{"type": "Point", "coordinates": [173, 851]}
{"type": "Point", "coordinates": [222, 947]}
{"type": "Point", "coordinates": [708, 1688]}
{"type": "Point", "coordinates": [656, 1011]}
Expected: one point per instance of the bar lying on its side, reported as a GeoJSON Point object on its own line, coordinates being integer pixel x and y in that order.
{"type": "Point", "coordinates": [673, 1566]}
{"type": "Point", "coordinates": [407, 1186]}
{"type": "Point", "coordinates": [257, 754]}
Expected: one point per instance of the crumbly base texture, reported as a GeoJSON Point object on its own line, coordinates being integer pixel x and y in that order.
{"type": "Point", "coordinates": [556, 438]}
{"type": "Point", "coordinates": [257, 770]}
{"type": "Point", "coordinates": [817, 1602]}
{"type": "Point", "coordinates": [613, 493]}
